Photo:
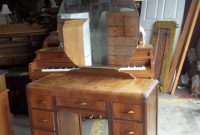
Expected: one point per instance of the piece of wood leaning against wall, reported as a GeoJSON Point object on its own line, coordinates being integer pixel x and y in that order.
{"type": "Point", "coordinates": [183, 44]}
{"type": "Point", "coordinates": [163, 41]}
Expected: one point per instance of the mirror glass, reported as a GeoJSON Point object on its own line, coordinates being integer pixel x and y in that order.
{"type": "Point", "coordinates": [99, 32]}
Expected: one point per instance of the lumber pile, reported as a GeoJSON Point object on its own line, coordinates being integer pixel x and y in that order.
{"type": "Point", "coordinates": [183, 45]}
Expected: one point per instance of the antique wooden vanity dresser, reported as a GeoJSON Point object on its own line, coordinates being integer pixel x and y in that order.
{"type": "Point", "coordinates": [57, 102]}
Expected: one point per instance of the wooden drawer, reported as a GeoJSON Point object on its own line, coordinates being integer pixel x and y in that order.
{"type": "Point", "coordinates": [116, 31]}
{"type": "Point", "coordinates": [126, 41]}
{"type": "Point", "coordinates": [41, 102]}
{"type": "Point", "coordinates": [131, 26]}
{"type": "Point", "coordinates": [115, 19]}
{"type": "Point", "coordinates": [41, 132]}
{"type": "Point", "coordinates": [127, 111]}
{"type": "Point", "coordinates": [131, 31]}
{"type": "Point", "coordinates": [121, 50]}
{"type": "Point", "coordinates": [81, 103]}
{"type": "Point", "coordinates": [119, 60]}
{"type": "Point", "coordinates": [127, 128]}
{"type": "Point", "coordinates": [42, 119]}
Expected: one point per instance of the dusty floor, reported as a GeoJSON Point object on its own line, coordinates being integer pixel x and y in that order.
{"type": "Point", "coordinates": [176, 116]}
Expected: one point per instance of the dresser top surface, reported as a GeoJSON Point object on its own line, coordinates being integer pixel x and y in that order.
{"type": "Point", "coordinates": [75, 85]}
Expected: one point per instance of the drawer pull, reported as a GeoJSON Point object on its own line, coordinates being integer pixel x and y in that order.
{"type": "Point", "coordinates": [43, 120]}
{"type": "Point", "coordinates": [127, 132]}
{"type": "Point", "coordinates": [42, 102]}
{"type": "Point", "coordinates": [131, 133]}
{"type": "Point", "coordinates": [91, 116]}
{"type": "Point", "coordinates": [129, 112]}
{"type": "Point", "coordinates": [83, 104]}
{"type": "Point", "coordinates": [100, 116]}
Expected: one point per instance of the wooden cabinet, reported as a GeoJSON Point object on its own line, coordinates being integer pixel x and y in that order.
{"type": "Point", "coordinates": [5, 115]}
{"type": "Point", "coordinates": [18, 43]}
{"type": "Point", "coordinates": [16, 81]}
{"type": "Point", "coordinates": [57, 102]}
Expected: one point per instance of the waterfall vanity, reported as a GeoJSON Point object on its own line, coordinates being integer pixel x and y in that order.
{"type": "Point", "coordinates": [59, 102]}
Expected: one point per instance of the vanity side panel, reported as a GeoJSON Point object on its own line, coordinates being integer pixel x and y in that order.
{"type": "Point", "coordinates": [151, 109]}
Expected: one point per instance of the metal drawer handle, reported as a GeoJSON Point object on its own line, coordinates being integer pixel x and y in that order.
{"type": "Point", "coordinates": [131, 133]}
{"type": "Point", "coordinates": [42, 102]}
{"type": "Point", "coordinates": [128, 132]}
{"type": "Point", "coordinates": [129, 112]}
{"type": "Point", "coordinates": [43, 120]}
{"type": "Point", "coordinates": [83, 104]}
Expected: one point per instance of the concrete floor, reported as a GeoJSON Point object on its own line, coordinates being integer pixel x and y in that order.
{"type": "Point", "coordinates": [176, 116]}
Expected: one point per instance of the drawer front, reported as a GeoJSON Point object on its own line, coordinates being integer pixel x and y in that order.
{"type": "Point", "coordinates": [127, 128]}
{"type": "Point", "coordinates": [115, 20]}
{"type": "Point", "coordinates": [41, 102]}
{"type": "Point", "coordinates": [131, 31]}
{"type": "Point", "coordinates": [41, 132]}
{"type": "Point", "coordinates": [119, 60]}
{"type": "Point", "coordinates": [127, 111]}
{"type": "Point", "coordinates": [127, 41]}
{"type": "Point", "coordinates": [131, 26]}
{"type": "Point", "coordinates": [121, 50]}
{"type": "Point", "coordinates": [81, 103]}
{"type": "Point", "coordinates": [116, 31]}
{"type": "Point", "coordinates": [42, 119]}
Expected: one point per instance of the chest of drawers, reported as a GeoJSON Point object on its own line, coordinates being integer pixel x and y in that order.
{"type": "Point", "coordinates": [123, 36]}
{"type": "Point", "coordinates": [56, 103]}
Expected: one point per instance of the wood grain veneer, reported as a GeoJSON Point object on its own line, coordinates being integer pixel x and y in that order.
{"type": "Point", "coordinates": [129, 105]}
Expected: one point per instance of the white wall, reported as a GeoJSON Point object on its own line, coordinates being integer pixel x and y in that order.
{"type": "Point", "coordinates": [167, 10]}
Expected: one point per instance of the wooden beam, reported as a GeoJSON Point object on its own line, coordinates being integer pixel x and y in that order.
{"type": "Point", "coordinates": [180, 45]}
{"type": "Point", "coordinates": [184, 43]}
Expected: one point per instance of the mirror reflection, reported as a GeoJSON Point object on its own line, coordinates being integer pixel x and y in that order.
{"type": "Point", "coordinates": [81, 124]}
{"type": "Point", "coordinates": [103, 28]}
